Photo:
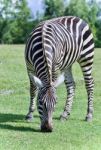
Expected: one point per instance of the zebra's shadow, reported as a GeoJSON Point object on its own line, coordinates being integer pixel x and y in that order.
{"type": "Point", "coordinates": [13, 117]}
{"type": "Point", "coordinates": [10, 117]}
{"type": "Point", "coordinates": [7, 119]}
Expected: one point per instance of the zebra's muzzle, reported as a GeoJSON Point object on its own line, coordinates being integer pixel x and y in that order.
{"type": "Point", "coordinates": [46, 127]}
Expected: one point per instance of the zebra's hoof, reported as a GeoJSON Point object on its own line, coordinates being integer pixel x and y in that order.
{"type": "Point", "coordinates": [64, 116]}
{"type": "Point", "coordinates": [89, 118]}
{"type": "Point", "coordinates": [29, 118]}
{"type": "Point", "coordinates": [46, 128]}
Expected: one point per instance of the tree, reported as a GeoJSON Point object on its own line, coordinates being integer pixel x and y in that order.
{"type": "Point", "coordinates": [92, 17]}
{"type": "Point", "coordinates": [5, 14]}
{"type": "Point", "coordinates": [22, 18]}
{"type": "Point", "coordinates": [14, 21]}
{"type": "Point", "coordinates": [77, 8]}
{"type": "Point", "coordinates": [98, 33]}
{"type": "Point", "coordinates": [53, 8]}
{"type": "Point", "coordinates": [84, 10]}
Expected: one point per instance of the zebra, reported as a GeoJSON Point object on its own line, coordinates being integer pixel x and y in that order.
{"type": "Point", "coordinates": [53, 46]}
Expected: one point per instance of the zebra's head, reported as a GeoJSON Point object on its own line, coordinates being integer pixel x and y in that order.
{"type": "Point", "coordinates": [46, 101]}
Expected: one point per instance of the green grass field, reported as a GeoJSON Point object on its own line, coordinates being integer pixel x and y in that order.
{"type": "Point", "coordinates": [17, 134]}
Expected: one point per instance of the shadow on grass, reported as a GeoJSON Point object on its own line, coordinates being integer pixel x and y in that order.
{"type": "Point", "coordinates": [18, 118]}
{"type": "Point", "coordinates": [16, 128]}
{"type": "Point", "coordinates": [13, 117]}
{"type": "Point", "coordinates": [56, 118]}
{"type": "Point", "coordinates": [69, 119]}
{"type": "Point", "coordinates": [4, 118]}
{"type": "Point", "coordinates": [10, 117]}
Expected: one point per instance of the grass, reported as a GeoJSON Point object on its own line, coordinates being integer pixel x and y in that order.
{"type": "Point", "coordinates": [17, 134]}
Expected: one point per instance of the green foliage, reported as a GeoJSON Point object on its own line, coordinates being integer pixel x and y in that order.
{"type": "Point", "coordinates": [92, 16]}
{"type": "Point", "coordinates": [22, 18]}
{"type": "Point", "coordinates": [80, 8]}
{"type": "Point", "coordinates": [98, 27]}
{"type": "Point", "coordinates": [17, 134]}
{"type": "Point", "coordinates": [84, 10]}
{"type": "Point", "coordinates": [16, 21]}
{"type": "Point", "coordinates": [77, 8]}
{"type": "Point", "coordinates": [53, 8]}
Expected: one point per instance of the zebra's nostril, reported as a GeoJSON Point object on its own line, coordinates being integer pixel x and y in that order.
{"type": "Point", "coordinates": [46, 128]}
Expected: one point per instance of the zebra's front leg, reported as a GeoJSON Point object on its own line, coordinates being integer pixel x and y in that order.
{"type": "Point", "coordinates": [29, 116]}
{"type": "Point", "coordinates": [70, 86]}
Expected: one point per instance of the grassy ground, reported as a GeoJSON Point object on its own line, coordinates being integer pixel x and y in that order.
{"type": "Point", "coordinates": [17, 134]}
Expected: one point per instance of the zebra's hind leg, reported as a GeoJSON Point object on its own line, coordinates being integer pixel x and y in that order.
{"type": "Point", "coordinates": [70, 86]}
{"type": "Point", "coordinates": [89, 83]}
{"type": "Point", "coordinates": [29, 116]}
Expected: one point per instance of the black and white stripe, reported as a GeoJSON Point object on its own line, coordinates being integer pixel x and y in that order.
{"type": "Point", "coordinates": [55, 45]}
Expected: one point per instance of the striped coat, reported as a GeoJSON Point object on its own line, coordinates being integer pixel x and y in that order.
{"type": "Point", "coordinates": [55, 45]}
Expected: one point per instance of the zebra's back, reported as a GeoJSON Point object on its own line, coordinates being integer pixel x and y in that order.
{"type": "Point", "coordinates": [58, 43]}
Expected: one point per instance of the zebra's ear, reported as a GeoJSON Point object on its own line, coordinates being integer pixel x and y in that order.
{"type": "Point", "coordinates": [36, 81]}
{"type": "Point", "coordinates": [59, 80]}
